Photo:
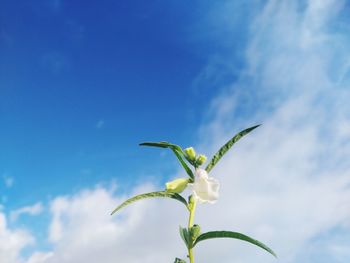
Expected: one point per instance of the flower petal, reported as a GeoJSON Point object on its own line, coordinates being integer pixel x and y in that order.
{"type": "Point", "coordinates": [205, 188]}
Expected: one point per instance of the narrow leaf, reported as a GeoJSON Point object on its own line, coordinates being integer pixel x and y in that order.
{"type": "Point", "coordinates": [162, 145]}
{"type": "Point", "coordinates": [184, 165]}
{"type": "Point", "coordinates": [151, 195]}
{"type": "Point", "coordinates": [176, 150]}
{"type": "Point", "coordinates": [227, 146]}
{"type": "Point", "coordinates": [185, 235]}
{"type": "Point", "coordinates": [235, 235]}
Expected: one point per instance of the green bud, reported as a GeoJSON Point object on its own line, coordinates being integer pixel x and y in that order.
{"type": "Point", "coordinates": [191, 202]}
{"type": "Point", "coordinates": [191, 154]}
{"type": "Point", "coordinates": [195, 231]}
{"type": "Point", "coordinates": [201, 159]}
{"type": "Point", "coordinates": [177, 186]}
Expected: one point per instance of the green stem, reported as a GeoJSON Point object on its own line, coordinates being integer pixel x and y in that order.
{"type": "Point", "coordinates": [192, 209]}
{"type": "Point", "coordinates": [190, 255]}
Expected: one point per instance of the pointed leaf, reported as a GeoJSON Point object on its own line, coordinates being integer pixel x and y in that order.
{"type": "Point", "coordinates": [185, 235]}
{"type": "Point", "coordinates": [176, 150]}
{"type": "Point", "coordinates": [227, 146]}
{"type": "Point", "coordinates": [235, 235]}
{"type": "Point", "coordinates": [184, 165]}
{"type": "Point", "coordinates": [151, 195]}
{"type": "Point", "coordinates": [162, 145]}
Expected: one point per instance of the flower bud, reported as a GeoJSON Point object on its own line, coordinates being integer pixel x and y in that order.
{"type": "Point", "coordinates": [177, 185]}
{"type": "Point", "coordinates": [195, 231]}
{"type": "Point", "coordinates": [190, 152]}
{"type": "Point", "coordinates": [201, 159]}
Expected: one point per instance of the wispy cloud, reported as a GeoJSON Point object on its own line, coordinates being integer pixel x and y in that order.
{"type": "Point", "coordinates": [32, 210]}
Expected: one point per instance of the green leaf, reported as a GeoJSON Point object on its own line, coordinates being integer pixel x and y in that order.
{"type": "Point", "coordinates": [227, 146]}
{"type": "Point", "coordinates": [186, 236]}
{"type": "Point", "coordinates": [184, 165]}
{"type": "Point", "coordinates": [151, 195]}
{"type": "Point", "coordinates": [177, 260]}
{"type": "Point", "coordinates": [235, 235]}
{"type": "Point", "coordinates": [176, 150]}
{"type": "Point", "coordinates": [162, 145]}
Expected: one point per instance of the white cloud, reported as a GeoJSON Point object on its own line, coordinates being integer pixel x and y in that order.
{"type": "Point", "coordinates": [12, 242]}
{"type": "Point", "coordinates": [290, 179]}
{"type": "Point", "coordinates": [39, 257]}
{"type": "Point", "coordinates": [82, 229]}
{"type": "Point", "coordinates": [34, 209]}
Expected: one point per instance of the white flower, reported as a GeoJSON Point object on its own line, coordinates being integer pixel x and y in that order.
{"type": "Point", "coordinates": [205, 188]}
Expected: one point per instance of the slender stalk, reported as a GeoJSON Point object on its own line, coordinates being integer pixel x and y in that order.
{"type": "Point", "coordinates": [190, 255]}
{"type": "Point", "coordinates": [192, 209]}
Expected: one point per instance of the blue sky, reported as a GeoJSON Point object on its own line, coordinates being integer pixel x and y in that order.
{"type": "Point", "coordinates": [81, 84]}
